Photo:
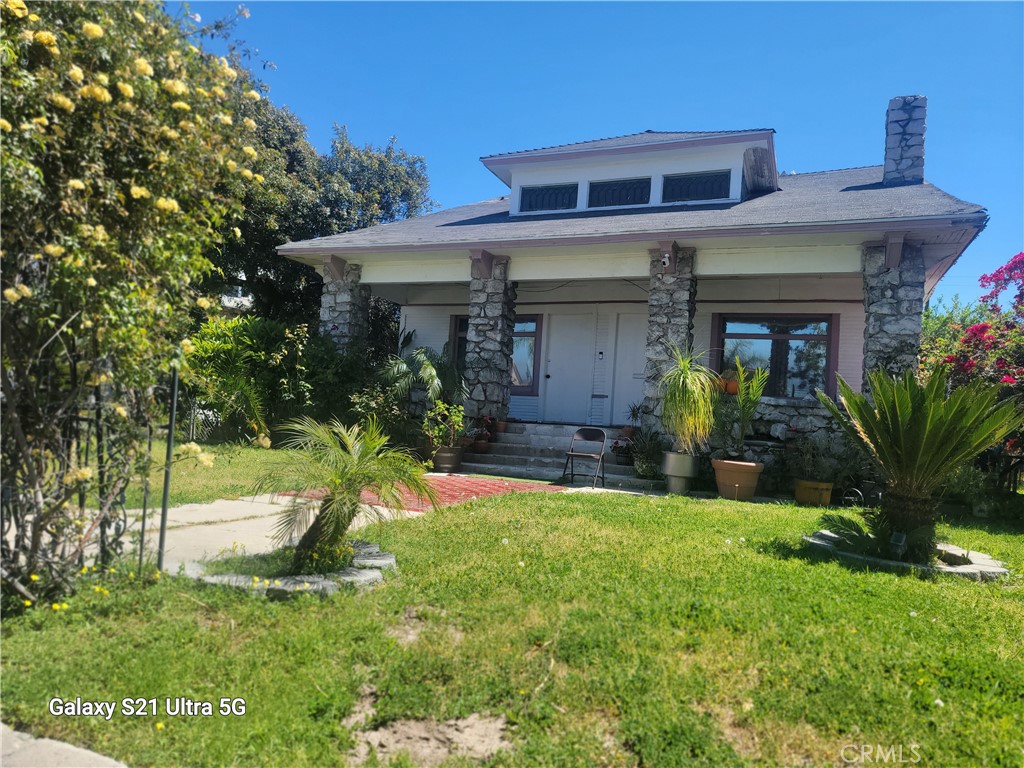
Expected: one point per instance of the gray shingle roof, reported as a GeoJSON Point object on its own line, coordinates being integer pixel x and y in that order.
{"type": "Point", "coordinates": [826, 197]}
{"type": "Point", "coordinates": [629, 140]}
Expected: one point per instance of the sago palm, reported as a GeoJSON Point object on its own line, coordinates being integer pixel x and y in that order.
{"type": "Point", "coordinates": [918, 436]}
{"type": "Point", "coordinates": [344, 461]}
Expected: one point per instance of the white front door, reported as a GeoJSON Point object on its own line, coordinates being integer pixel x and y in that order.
{"type": "Point", "coordinates": [630, 365]}
{"type": "Point", "coordinates": [568, 367]}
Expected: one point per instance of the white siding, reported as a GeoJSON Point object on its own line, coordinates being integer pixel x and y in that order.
{"type": "Point", "coordinates": [432, 324]}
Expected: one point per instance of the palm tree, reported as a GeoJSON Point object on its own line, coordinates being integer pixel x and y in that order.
{"type": "Point", "coordinates": [434, 370]}
{"type": "Point", "coordinates": [919, 437]}
{"type": "Point", "coordinates": [346, 461]}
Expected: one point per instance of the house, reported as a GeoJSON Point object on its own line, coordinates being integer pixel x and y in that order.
{"type": "Point", "coordinates": [560, 298]}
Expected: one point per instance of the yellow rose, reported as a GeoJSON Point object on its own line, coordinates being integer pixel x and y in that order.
{"type": "Point", "coordinates": [169, 133]}
{"type": "Point", "coordinates": [91, 282]}
{"type": "Point", "coordinates": [126, 90]}
{"type": "Point", "coordinates": [139, 192]}
{"type": "Point", "coordinates": [232, 165]}
{"type": "Point", "coordinates": [224, 119]}
{"type": "Point", "coordinates": [181, 105]}
{"type": "Point", "coordinates": [187, 346]}
{"type": "Point", "coordinates": [175, 87]}
{"type": "Point", "coordinates": [92, 31]}
{"type": "Point", "coordinates": [167, 204]}
{"type": "Point", "coordinates": [203, 303]}
{"type": "Point", "coordinates": [259, 178]}
{"type": "Point", "coordinates": [251, 95]}
{"type": "Point", "coordinates": [246, 174]}
{"type": "Point", "coordinates": [143, 67]}
{"type": "Point", "coordinates": [76, 184]}
{"type": "Point", "coordinates": [61, 101]}
{"type": "Point", "coordinates": [75, 73]}
{"type": "Point", "coordinates": [249, 123]}
{"type": "Point", "coordinates": [101, 78]}
{"type": "Point", "coordinates": [96, 92]}
{"type": "Point", "coordinates": [5, 126]}
{"type": "Point", "coordinates": [45, 38]}
{"type": "Point", "coordinates": [16, 7]}
{"type": "Point", "coordinates": [12, 295]}
{"type": "Point", "coordinates": [249, 152]}
{"type": "Point", "coordinates": [52, 249]}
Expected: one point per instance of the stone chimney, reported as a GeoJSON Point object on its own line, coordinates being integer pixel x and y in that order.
{"type": "Point", "coordinates": [904, 141]}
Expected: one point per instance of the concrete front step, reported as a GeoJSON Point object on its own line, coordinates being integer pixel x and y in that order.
{"type": "Point", "coordinates": [551, 461]}
{"type": "Point", "coordinates": [629, 482]}
{"type": "Point", "coordinates": [557, 442]}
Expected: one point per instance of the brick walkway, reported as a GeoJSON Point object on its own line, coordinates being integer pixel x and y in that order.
{"type": "Point", "coordinates": [455, 489]}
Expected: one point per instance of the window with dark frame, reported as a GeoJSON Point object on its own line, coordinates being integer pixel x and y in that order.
{"type": "Point", "coordinates": [525, 351]}
{"type": "Point", "coordinates": [604, 194]}
{"type": "Point", "coordinates": [687, 187]}
{"type": "Point", "coordinates": [798, 350]}
{"type": "Point", "coordinates": [554, 197]}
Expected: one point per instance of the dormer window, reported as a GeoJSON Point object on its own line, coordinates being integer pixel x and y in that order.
{"type": "Point", "coordinates": [605, 194]}
{"type": "Point", "coordinates": [687, 187]}
{"type": "Point", "coordinates": [552, 197]}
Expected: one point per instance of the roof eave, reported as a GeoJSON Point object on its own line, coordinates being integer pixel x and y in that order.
{"type": "Point", "coordinates": [976, 219]}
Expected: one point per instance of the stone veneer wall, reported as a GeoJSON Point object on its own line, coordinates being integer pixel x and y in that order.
{"type": "Point", "coordinates": [904, 140]}
{"type": "Point", "coordinates": [893, 305]}
{"type": "Point", "coordinates": [492, 317]}
{"type": "Point", "coordinates": [671, 304]}
{"type": "Point", "coordinates": [344, 303]}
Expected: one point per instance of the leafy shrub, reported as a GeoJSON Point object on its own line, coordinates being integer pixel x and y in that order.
{"type": "Point", "coordinates": [442, 425]}
{"type": "Point", "coordinates": [120, 166]}
{"type": "Point", "coordinates": [255, 373]}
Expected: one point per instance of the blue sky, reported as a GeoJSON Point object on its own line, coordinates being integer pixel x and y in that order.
{"type": "Point", "coordinates": [454, 81]}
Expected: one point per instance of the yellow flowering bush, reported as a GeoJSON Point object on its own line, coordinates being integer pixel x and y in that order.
{"type": "Point", "coordinates": [109, 211]}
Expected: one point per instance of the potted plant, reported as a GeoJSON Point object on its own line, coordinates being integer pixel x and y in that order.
{"type": "Point", "coordinates": [636, 412]}
{"type": "Point", "coordinates": [690, 391]}
{"type": "Point", "coordinates": [737, 480]}
{"type": "Point", "coordinates": [479, 439]}
{"type": "Point", "coordinates": [622, 451]}
{"type": "Point", "coordinates": [648, 451]}
{"type": "Point", "coordinates": [442, 425]}
{"type": "Point", "coordinates": [814, 470]}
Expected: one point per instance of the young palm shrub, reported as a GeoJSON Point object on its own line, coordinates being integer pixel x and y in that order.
{"type": "Point", "coordinates": [431, 369]}
{"type": "Point", "coordinates": [346, 461]}
{"type": "Point", "coordinates": [688, 413]}
{"type": "Point", "coordinates": [919, 437]}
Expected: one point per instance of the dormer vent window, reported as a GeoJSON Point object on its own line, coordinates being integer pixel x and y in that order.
{"type": "Point", "coordinates": [605, 194]}
{"type": "Point", "coordinates": [687, 187]}
{"type": "Point", "coordinates": [552, 197]}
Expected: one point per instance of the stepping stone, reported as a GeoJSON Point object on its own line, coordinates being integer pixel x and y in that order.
{"type": "Point", "coordinates": [378, 560]}
{"type": "Point", "coordinates": [359, 577]}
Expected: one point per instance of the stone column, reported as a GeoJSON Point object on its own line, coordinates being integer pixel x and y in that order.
{"type": "Point", "coordinates": [492, 316]}
{"type": "Point", "coordinates": [344, 303]}
{"type": "Point", "coordinates": [671, 304]}
{"type": "Point", "coordinates": [893, 303]}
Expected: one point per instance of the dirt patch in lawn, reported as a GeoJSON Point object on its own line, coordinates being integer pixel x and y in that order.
{"type": "Point", "coordinates": [430, 742]}
{"type": "Point", "coordinates": [414, 622]}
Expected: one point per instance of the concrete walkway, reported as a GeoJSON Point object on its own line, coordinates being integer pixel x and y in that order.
{"type": "Point", "coordinates": [21, 750]}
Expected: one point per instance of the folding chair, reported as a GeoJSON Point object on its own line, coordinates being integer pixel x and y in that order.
{"type": "Point", "coordinates": [586, 435]}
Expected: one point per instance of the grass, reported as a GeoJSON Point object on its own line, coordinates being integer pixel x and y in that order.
{"type": "Point", "coordinates": [274, 563]}
{"type": "Point", "coordinates": [235, 469]}
{"type": "Point", "coordinates": [609, 630]}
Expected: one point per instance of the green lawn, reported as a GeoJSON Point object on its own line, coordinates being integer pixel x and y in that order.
{"type": "Point", "coordinates": [235, 469]}
{"type": "Point", "coordinates": [609, 630]}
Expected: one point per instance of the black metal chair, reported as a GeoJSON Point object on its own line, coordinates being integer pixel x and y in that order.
{"type": "Point", "coordinates": [586, 435]}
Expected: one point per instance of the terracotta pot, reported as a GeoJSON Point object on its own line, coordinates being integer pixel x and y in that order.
{"type": "Point", "coordinates": [447, 459]}
{"type": "Point", "coordinates": [465, 442]}
{"type": "Point", "coordinates": [624, 459]}
{"type": "Point", "coordinates": [679, 470]}
{"type": "Point", "coordinates": [481, 446]}
{"type": "Point", "coordinates": [628, 432]}
{"type": "Point", "coordinates": [737, 480]}
{"type": "Point", "coordinates": [501, 426]}
{"type": "Point", "coordinates": [811, 493]}
{"type": "Point", "coordinates": [732, 387]}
